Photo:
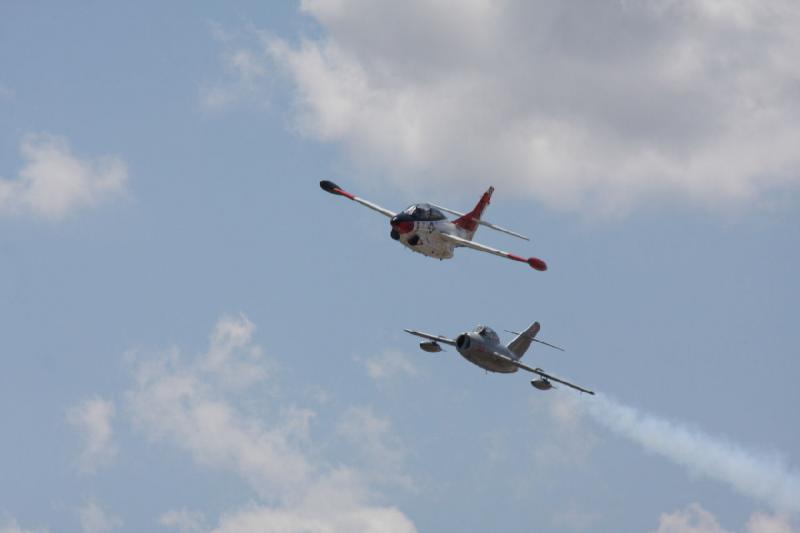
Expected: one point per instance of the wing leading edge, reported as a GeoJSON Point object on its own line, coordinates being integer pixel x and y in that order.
{"type": "Point", "coordinates": [332, 188]}
{"type": "Point", "coordinates": [534, 262]}
{"type": "Point", "coordinates": [436, 338]}
{"type": "Point", "coordinates": [542, 373]}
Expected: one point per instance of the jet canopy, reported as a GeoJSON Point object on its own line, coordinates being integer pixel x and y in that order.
{"type": "Point", "coordinates": [487, 333]}
{"type": "Point", "coordinates": [424, 213]}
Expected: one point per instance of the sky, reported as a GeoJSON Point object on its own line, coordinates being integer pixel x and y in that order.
{"type": "Point", "coordinates": [196, 338]}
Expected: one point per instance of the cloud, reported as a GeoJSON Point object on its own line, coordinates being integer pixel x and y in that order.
{"type": "Point", "coordinates": [54, 183]}
{"type": "Point", "coordinates": [567, 441]}
{"type": "Point", "coordinates": [695, 519]}
{"type": "Point", "coordinates": [598, 106]}
{"type": "Point", "coordinates": [176, 403]}
{"type": "Point", "coordinates": [389, 364]}
{"type": "Point", "coordinates": [92, 418]}
{"type": "Point", "coordinates": [184, 521]}
{"type": "Point", "coordinates": [379, 448]}
{"type": "Point", "coordinates": [766, 523]}
{"type": "Point", "coordinates": [191, 405]}
{"type": "Point", "coordinates": [231, 355]}
{"type": "Point", "coordinates": [94, 519]}
{"type": "Point", "coordinates": [763, 477]}
{"type": "Point", "coordinates": [334, 503]}
{"type": "Point", "coordinates": [245, 74]}
{"type": "Point", "coordinates": [9, 525]}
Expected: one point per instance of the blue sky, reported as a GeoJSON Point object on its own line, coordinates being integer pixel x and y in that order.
{"type": "Point", "coordinates": [197, 338]}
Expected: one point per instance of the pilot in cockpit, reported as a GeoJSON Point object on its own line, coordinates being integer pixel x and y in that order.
{"type": "Point", "coordinates": [487, 333]}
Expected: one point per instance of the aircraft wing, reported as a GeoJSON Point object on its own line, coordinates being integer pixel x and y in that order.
{"type": "Point", "coordinates": [437, 338]}
{"type": "Point", "coordinates": [332, 188]}
{"type": "Point", "coordinates": [534, 262]}
{"type": "Point", "coordinates": [483, 223]}
{"type": "Point", "coordinates": [543, 374]}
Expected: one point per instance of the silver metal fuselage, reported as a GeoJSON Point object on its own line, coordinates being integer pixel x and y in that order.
{"type": "Point", "coordinates": [482, 351]}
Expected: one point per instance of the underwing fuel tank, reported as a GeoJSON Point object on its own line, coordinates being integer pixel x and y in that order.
{"type": "Point", "coordinates": [542, 384]}
{"type": "Point", "coordinates": [430, 346]}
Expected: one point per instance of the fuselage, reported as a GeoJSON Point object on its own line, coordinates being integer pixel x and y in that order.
{"type": "Point", "coordinates": [419, 228]}
{"type": "Point", "coordinates": [481, 347]}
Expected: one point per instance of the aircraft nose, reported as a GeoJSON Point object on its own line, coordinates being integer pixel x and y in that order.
{"type": "Point", "coordinates": [402, 224]}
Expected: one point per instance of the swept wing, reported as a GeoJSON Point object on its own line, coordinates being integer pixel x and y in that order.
{"type": "Point", "coordinates": [437, 338]}
{"type": "Point", "coordinates": [542, 373]}
{"type": "Point", "coordinates": [332, 188]}
{"type": "Point", "coordinates": [534, 262]}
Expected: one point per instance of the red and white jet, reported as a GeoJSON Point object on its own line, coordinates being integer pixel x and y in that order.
{"type": "Point", "coordinates": [425, 229]}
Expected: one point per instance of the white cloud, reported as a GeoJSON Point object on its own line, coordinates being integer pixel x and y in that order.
{"type": "Point", "coordinates": [245, 74]}
{"type": "Point", "coordinates": [231, 354]}
{"type": "Point", "coordinates": [175, 403]}
{"type": "Point", "coordinates": [695, 519]}
{"type": "Point", "coordinates": [95, 519]}
{"type": "Point", "coordinates": [568, 441]}
{"type": "Point", "coordinates": [332, 504]}
{"type": "Point", "coordinates": [53, 182]}
{"type": "Point", "coordinates": [93, 418]}
{"type": "Point", "coordinates": [594, 106]}
{"type": "Point", "coordinates": [184, 521]}
{"type": "Point", "coordinates": [767, 523]}
{"type": "Point", "coordinates": [764, 477]}
{"type": "Point", "coordinates": [380, 449]}
{"type": "Point", "coordinates": [10, 525]}
{"type": "Point", "coordinates": [390, 364]}
{"type": "Point", "coordinates": [191, 405]}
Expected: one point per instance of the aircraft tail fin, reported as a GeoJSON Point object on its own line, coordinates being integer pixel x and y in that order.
{"type": "Point", "coordinates": [523, 340]}
{"type": "Point", "coordinates": [469, 221]}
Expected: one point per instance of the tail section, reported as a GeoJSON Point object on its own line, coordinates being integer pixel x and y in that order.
{"type": "Point", "coordinates": [469, 221]}
{"type": "Point", "coordinates": [522, 342]}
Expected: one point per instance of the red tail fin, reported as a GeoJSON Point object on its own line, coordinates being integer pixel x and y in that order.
{"type": "Point", "coordinates": [469, 222]}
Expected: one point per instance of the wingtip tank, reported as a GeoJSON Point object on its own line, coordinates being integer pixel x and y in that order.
{"type": "Point", "coordinates": [329, 186]}
{"type": "Point", "coordinates": [537, 264]}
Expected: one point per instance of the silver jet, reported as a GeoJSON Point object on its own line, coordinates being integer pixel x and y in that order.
{"type": "Point", "coordinates": [483, 348]}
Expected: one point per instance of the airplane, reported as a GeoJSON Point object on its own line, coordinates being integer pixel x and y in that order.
{"type": "Point", "coordinates": [425, 229]}
{"type": "Point", "coordinates": [482, 347]}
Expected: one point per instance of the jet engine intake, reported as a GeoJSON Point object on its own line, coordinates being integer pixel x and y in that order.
{"type": "Point", "coordinates": [462, 342]}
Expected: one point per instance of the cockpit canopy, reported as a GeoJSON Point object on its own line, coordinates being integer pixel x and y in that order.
{"type": "Point", "coordinates": [424, 213]}
{"type": "Point", "coordinates": [487, 333]}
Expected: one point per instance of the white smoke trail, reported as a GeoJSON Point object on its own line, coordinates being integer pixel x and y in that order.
{"type": "Point", "coordinates": [757, 475]}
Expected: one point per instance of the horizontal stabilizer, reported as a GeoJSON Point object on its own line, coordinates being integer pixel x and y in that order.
{"type": "Point", "coordinates": [536, 340]}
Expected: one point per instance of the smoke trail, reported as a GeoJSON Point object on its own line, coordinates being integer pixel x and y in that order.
{"type": "Point", "coordinates": [761, 476]}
